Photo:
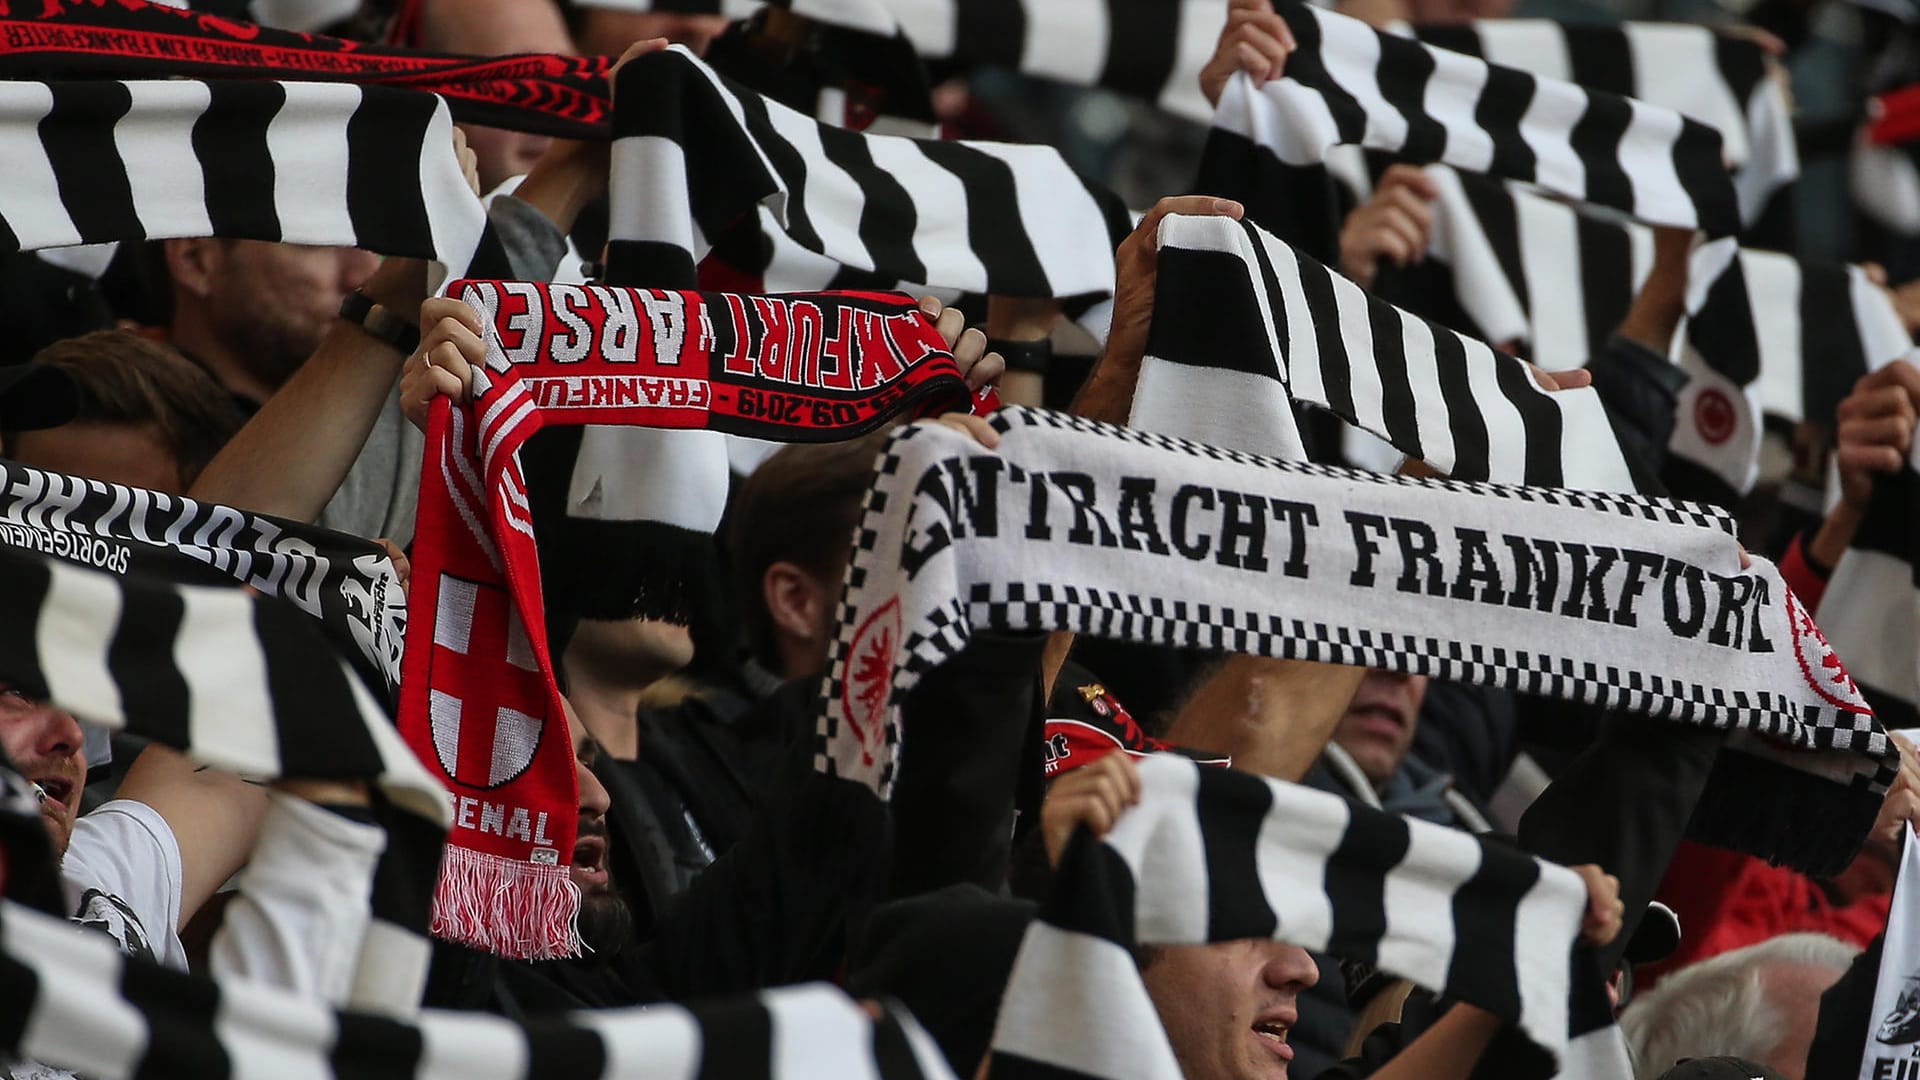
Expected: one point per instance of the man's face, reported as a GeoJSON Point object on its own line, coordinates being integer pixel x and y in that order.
{"type": "Point", "coordinates": [1228, 1007]}
{"type": "Point", "coordinates": [498, 28]}
{"type": "Point", "coordinates": [606, 923]}
{"type": "Point", "coordinates": [46, 745]}
{"type": "Point", "coordinates": [270, 303]}
{"type": "Point", "coordinates": [1379, 724]}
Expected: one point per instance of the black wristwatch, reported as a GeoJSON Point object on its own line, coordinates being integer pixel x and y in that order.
{"type": "Point", "coordinates": [1034, 356]}
{"type": "Point", "coordinates": [379, 321]}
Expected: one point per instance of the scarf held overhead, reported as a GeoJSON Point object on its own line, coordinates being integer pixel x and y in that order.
{"type": "Point", "coordinates": [347, 583]}
{"type": "Point", "coordinates": [1618, 601]}
{"type": "Point", "coordinates": [478, 700]}
{"type": "Point", "coordinates": [1218, 855]}
{"type": "Point", "coordinates": [563, 96]}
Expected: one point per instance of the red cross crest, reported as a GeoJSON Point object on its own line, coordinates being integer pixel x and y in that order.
{"type": "Point", "coordinates": [488, 704]}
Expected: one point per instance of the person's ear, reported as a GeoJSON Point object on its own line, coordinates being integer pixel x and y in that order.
{"type": "Point", "coordinates": [795, 600]}
{"type": "Point", "coordinates": [192, 264]}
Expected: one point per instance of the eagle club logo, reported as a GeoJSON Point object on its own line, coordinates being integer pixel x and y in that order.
{"type": "Point", "coordinates": [1819, 664]}
{"type": "Point", "coordinates": [1902, 1026]}
{"type": "Point", "coordinates": [869, 678]}
{"type": "Point", "coordinates": [1714, 416]}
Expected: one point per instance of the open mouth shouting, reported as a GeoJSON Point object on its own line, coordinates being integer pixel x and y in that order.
{"type": "Point", "coordinates": [1271, 1029]}
{"type": "Point", "coordinates": [590, 862]}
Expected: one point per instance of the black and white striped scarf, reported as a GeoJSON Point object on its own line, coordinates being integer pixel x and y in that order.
{"type": "Point", "coordinates": [1536, 270]}
{"type": "Point", "coordinates": [1149, 49]}
{"type": "Point", "coordinates": [1616, 600]}
{"type": "Point", "coordinates": [700, 155]}
{"type": "Point", "coordinates": [69, 999]}
{"type": "Point", "coordinates": [1218, 855]}
{"type": "Point", "coordinates": [243, 683]}
{"type": "Point", "coordinates": [355, 166]}
{"type": "Point", "coordinates": [1719, 79]}
{"type": "Point", "coordinates": [1244, 326]}
{"type": "Point", "coordinates": [346, 583]}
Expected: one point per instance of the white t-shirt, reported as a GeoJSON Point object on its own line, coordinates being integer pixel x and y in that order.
{"type": "Point", "coordinates": [122, 876]}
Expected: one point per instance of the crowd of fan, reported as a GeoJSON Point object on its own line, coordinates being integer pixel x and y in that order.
{"type": "Point", "coordinates": [712, 859]}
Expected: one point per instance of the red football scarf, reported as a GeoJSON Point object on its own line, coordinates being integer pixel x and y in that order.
{"type": "Point", "coordinates": [565, 96]}
{"type": "Point", "coordinates": [477, 696]}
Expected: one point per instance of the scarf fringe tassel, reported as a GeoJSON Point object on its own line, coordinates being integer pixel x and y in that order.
{"type": "Point", "coordinates": [1784, 815]}
{"type": "Point", "coordinates": [506, 907]}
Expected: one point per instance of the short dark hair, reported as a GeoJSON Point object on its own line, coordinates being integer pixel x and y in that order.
{"type": "Point", "coordinates": [125, 378]}
{"type": "Point", "coordinates": [800, 506]}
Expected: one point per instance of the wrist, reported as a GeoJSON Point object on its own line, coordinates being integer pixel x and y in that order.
{"type": "Point", "coordinates": [400, 286]}
{"type": "Point", "coordinates": [1834, 536]}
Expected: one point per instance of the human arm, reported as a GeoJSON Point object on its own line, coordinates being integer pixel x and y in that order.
{"type": "Point", "coordinates": [1271, 716]}
{"type": "Point", "coordinates": [1021, 319]}
{"type": "Point", "coordinates": [214, 817]}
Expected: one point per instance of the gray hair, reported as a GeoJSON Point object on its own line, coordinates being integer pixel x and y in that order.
{"type": "Point", "coordinates": [1719, 1006]}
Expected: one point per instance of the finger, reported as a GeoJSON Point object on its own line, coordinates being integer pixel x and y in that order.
{"type": "Point", "coordinates": [1858, 459]}
{"type": "Point", "coordinates": [951, 324]}
{"type": "Point", "coordinates": [1262, 36]}
{"type": "Point", "coordinates": [1875, 273]}
{"type": "Point", "coordinates": [1894, 431]}
{"type": "Point", "coordinates": [446, 360]}
{"type": "Point", "coordinates": [441, 382]}
{"type": "Point", "coordinates": [437, 308]}
{"type": "Point", "coordinates": [969, 349]}
{"type": "Point", "coordinates": [977, 427]}
{"type": "Point", "coordinates": [1413, 178]}
{"type": "Point", "coordinates": [930, 306]}
{"type": "Point", "coordinates": [1248, 58]}
{"type": "Point", "coordinates": [1406, 200]}
{"type": "Point", "coordinates": [1878, 400]}
{"type": "Point", "coordinates": [1185, 204]}
{"type": "Point", "coordinates": [1413, 238]}
{"type": "Point", "coordinates": [1572, 379]}
{"type": "Point", "coordinates": [987, 372]}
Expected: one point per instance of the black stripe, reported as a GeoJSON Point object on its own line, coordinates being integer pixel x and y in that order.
{"type": "Point", "coordinates": [1596, 139]}
{"type": "Point", "coordinates": [180, 1012]}
{"type": "Point", "coordinates": [388, 210]}
{"type": "Point", "coordinates": [1015, 1067]}
{"type": "Point", "coordinates": [788, 162]}
{"type": "Point", "coordinates": [1891, 524]}
{"type": "Point", "coordinates": [153, 693]}
{"type": "Point", "coordinates": [990, 32]}
{"type": "Point", "coordinates": [1498, 213]}
{"type": "Point", "coordinates": [1832, 355]}
{"type": "Point", "coordinates": [77, 135]}
{"type": "Point", "coordinates": [1305, 67]}
{"type": "Point", "coordinates": [1741, 63]}
{"type": "Point", "coordinates": [24, 579]}
{"type": "Point", "coordinates": [1472, 450]}
{"type": "Point", "coordinates": [310, 698]}
{"type": "Point", "coordinates": [1484, 965]}
{"type": "Point", "coordinates": [888, 216]}
{"type": "Point", "coordinates": [1722, 330]}
{"type": "Point", "coordinates": [1336, 370]}
{"type": "Point", "coordinates": [1143, 39]}
{"type": "Point", "coordinates": [375, 1048]}
{"type": "Point", "coordinates": [1355, 882]}
{"type": "Point", "coordinates": [1503, 102]}
{"type": "Point", "coordinates": [230, 139]}
{"type": "Point", "coordinates": [892, 1053]}
{"type": "Point", "coordinates": [1699, 163]}
{"type": "Point", "coordinates": [653, 264]}
{"type": "Point", "coordinates": [1599, 59]}
{"type": "Point", "coordinates": [992, 209]}
{"type": "Point", "coordinates": [559, 1048]}
{"type": "Point", "coordinates": [1232, 808]}
{"type": "Point", "coordinates": [1541, 419]}
{"type": "Point", "coordinates": [1396, 385]}
{"type": "Point", "coordinates": [1206, 314]}
{"type": "Point", "coordinates": [1402, 74]}
{"type": "Point", "coordinates": [1453, 37]}
{"type": "Point", "coordinates": [1606, 277]}
{"type": "Point", "coordinates": [736, 1041]}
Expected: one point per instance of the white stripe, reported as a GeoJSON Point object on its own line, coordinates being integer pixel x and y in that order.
{"type": "Point", "coordinates": [929, 24]}
{"type": "Point", "coordinates": [1417, 897]}
{"type": "Point", "coordinates": [155, 140]}
{"type": "Point", "coordinates": [651, 200]}
{"type": "Point", "coordinates": [287, 1038]}
{"type": "Point", "coordinates": [1551, 911]}
{"type": "Point", "coordinates": [661, 1041]}
{"type": "Point", "coordinates": [1076, 1001]}
{"type": "Point", "coordinates": [460, 1046]}
{"type": "Point", "coordinates": [455, 215]}
{"type": "Point", "coordinates": [1505, 429]}
{"type": "Point", "coordinates": [230, 713]}
{"type": "Point", "coordinates": [1479, 281]}
{"type": "Point", "coordinates": [1774, 292]}
{"type": "Point", "coordinates": [832, 198]}
{"type": "Point", "coordinates": [939, 238]}
{"type": "Point", "coordinates": [1657, 194]}
{"type": "Point", "coordinates": [1452, 95]}
{"type": "Point", "coordinates": [30, 200]}
{"type": "Point", "coordinates": [1433, 418]}
{"type": "Point", "coordinates": [1058, 215]}
{"type": "Point", "coordinates": [1556, 107]}
{"type": "Point", "coordinates": [1676, 66]}
{"type": "Point", "coordinates": [1350, 51]}
{"type": "Point", "coordinates": [1364, 371]}
{"type": "Point", "coordinates": [1161, 843]}
{"type": "Point", "coordinates": [1192, 402]}
{"type": "Point", "coordinates": [453, 613]}
{"type": "Point", "coordinates": [308, 142]}
{"type": "Point", "coordinates": [1536, 46]}
{"type": "Point", "coordinates": [523, 408]}
{"type": "Point", "coordinates": [1304, 373]}
{"type": "Point", "coordinates": [1066, 40]}
{"type": "Point", "coordinates": [1201, 22]}
{"type": "Point", "coordinates": [78, 621]}
{"type": "Point", "coordinates": [1292, 848]}
{"type": "Point", "coordinates": [1547, 233]}
{"type": "Point", "coordinates": [606, 487]}
{"type": "Point", "coordinates": [812, 1028]}
{"type": "Point", "coordinates": [1878, 634]}
{"type": "Point", "coordinates": [1283, 116]}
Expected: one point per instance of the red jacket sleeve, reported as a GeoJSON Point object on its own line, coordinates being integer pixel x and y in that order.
{"type": "Point", "coordinates": [1806, 580]}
